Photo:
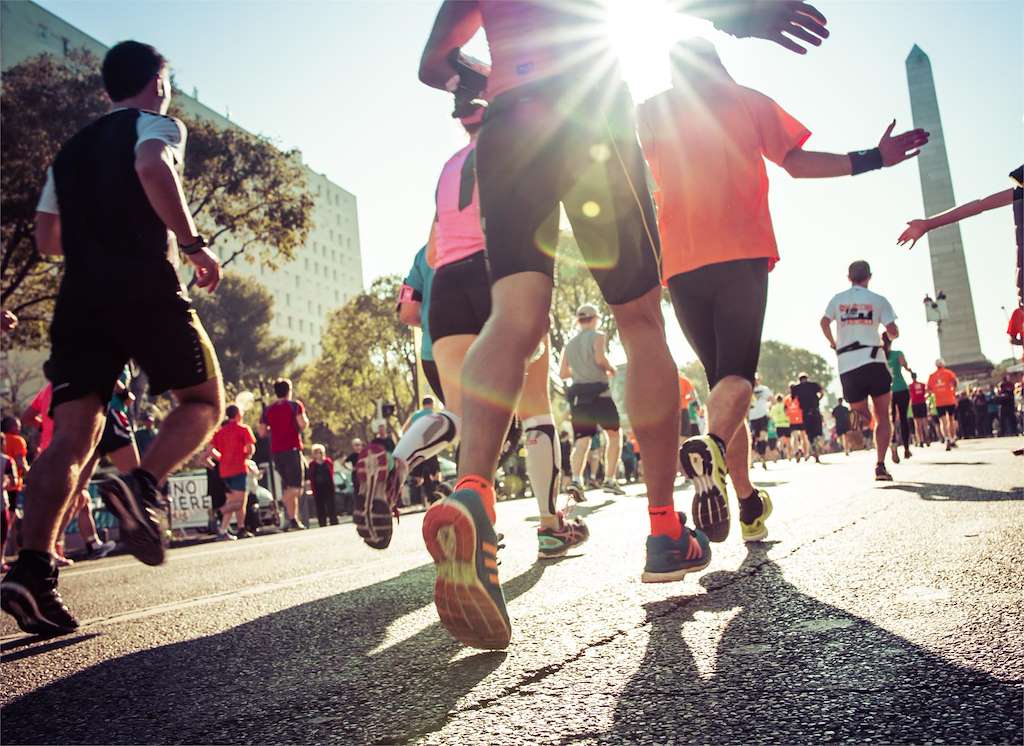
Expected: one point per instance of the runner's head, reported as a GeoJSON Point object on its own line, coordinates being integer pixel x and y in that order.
{"type": "Point", "coordinates": [860, 273]}
{"type": "Point", "coordinates": [232, 413]}
{"type": "Point", "coordinates": [778, 398]}
{"type": "Point", "coordinates": [695, 62]}
{"type": "Point", "coordinates": [10, 425]}
{"type": "Point", "coordinates": [318, 451]}
{"type": "Point", "coordinates": [802, 377]}
{"type": "Point", "coordinates": [940, 363]}
{"type": "Point", "coordinates": [840, 403]}
{"type": "Point", "coordinates": [586, 316]}
{"type": "Point", "coordinates": [913, 376]}
{"type": "Point", "coordinates": [282, 388]}
{"type": "Point", "coordinates": [428, 402]}
{"type": "Point", "coordinates": [136, 73]}
{"type": "Point", "coordinates": [357, 445]}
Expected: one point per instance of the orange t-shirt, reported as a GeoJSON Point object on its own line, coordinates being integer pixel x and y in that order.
{"type": "Point", "coordinates": [685, 392]}
{"type": "Point", "coordinates": [942, 383]}
{"type": "Point", "coordinates": [707, 157]}
{"type": "Point", "coordinates": [15, 446]}
{"type": "Point", "coordinates": [793, 410]}
{"type": "Point", "coordinates": [233, 441]}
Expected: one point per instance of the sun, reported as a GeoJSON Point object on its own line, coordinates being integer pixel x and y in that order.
{"type": "Point", "coordinates": [641, 32]}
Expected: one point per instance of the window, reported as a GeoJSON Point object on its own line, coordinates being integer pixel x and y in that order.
{"type": "Point", "coordinates": [298, 282]}
{"type": "Point", "coordinates": [289, 322]}
{"type": "Point", "coordinates": [302, 325]}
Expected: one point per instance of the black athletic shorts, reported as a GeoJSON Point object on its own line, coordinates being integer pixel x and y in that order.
{"type": "Point", "coordinates": [796, 427]}
{"type": "Point", "coordinates": [948, 409]}
{"type": "Point", "coordinates": [291, 465]}
{"type": "Point", "coordinates": [919, 410]}
{"type": "Point", "coordinates": [758, 426]}
{"type": "Point", "coordinates": [813, 424]}
{"type": "Point", "coordinates": [90, 345]}
{"type": "Point", "coordinates": [116, 435]}
{"type": "Point", "coordinates": [552, 142]}
{"type": "Point", "coordinates": [873, 379]}
{"type": "Point", "coordinates": [433, 377]}
{"type": "Point", "coordinates": [460, 298]}
{"type": "Point", "coordinates": [783, 432]}
{"type": "Point", "coordinates": [586, 417]}
{"type": "Point", "coordinates": [720, 308]}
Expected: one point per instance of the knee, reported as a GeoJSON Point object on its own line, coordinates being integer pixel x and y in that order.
{"type": "Point", "coordinates": [521, 330]}
{"type": "Point", "coordinates": [207, 399]}
{"type": "Point", "coordinates": [640, 317]}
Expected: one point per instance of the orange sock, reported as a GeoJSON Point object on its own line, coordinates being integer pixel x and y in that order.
{"type": "Point", "coordinates": [482, 487]}
{"type": "Point", "coordinates": [665, 521]}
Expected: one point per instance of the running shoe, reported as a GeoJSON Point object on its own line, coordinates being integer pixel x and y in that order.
{"type": "Point", "coordinates": [906, 452]}
{"type": "Point", "coordinates": [576, 492]}
{"type": "Point", "coordinates": [671, 559]}
{"type": "Point", "coordinates": [555, 542]}
{"type": "Point", "coordinates": [372, 515]}
{"type": "Point", "coordinates": [703, 460]}
{"type": "Point", "coordinates": [244, 534]}
{"type": "Point", "coordinates": [612, 486]}
{"type": "Point", "coordinates": [225, 536]}
{"type": "Point", "coordinates": [462, 542]}
{"type": "Point", "coordinates": [61, 561]}
{"type": "Point", "coordinates": [99, 550]}
{"type": "Point", "coordinates": [29, 593]}
{"type": "Point", "coordinates": [882, 474]}
{"type": "Point", "coordinates": [138, 509]}
{"type": "Point", "coordinates": [752, 523]}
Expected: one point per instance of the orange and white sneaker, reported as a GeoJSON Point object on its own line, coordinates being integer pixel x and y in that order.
{"type": "Point", "coordinates": [461, 539]}
{"type": "Point", "coordinates": [371, 512]}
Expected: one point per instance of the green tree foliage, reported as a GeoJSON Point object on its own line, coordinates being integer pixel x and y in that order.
{"type": "Point", "coordinates": [367, 354]}
{"type": "Point", "coordinates": [780, 363]}
{"type": "Point", "coordinates": [242, 190]}
{"type": "Point", "coordinates": [574, 286]}
{"type": "Point", "coordinates": [237, 318]}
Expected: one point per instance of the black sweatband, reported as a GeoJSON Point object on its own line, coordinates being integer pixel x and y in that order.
{"type": "Point", "coordinates": [865, 160]}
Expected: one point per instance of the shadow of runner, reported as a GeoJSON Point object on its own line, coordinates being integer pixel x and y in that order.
{"type": "Point", "coordinates": [791, 669]}
{"type": "Point", "coordinates": [300, 675]}
{"type": "Point", "coordinates": [956, 492]}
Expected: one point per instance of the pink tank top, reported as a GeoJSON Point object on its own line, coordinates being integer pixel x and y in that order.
{"type": "Point", "coordinates": [457, 232]}
{"type": "Point", "coordinates": [539, 39]}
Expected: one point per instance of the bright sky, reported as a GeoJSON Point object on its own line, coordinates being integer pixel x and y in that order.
{"type": "Point", "coordinates": [338, 80]}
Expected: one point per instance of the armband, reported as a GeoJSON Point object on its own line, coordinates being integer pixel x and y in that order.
{"type": "Point", "coordinates": [865, 160]}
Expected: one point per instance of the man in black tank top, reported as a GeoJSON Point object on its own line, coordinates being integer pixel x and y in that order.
{"type": "Point", "coordinates": [113, 206]}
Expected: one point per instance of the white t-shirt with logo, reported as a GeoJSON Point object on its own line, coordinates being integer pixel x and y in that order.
{"type": "Point", "coordinates": [760, 403]}
{"type": "Point", "coordinates": [858, 312]}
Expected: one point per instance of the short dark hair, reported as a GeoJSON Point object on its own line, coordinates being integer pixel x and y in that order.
{"type": "Point", "coordinates": [8, 424]}
{"type": "Point", "coordinates": [129, 67]}
{"type": "Point", "coordinates": [428, 400]}
{"type": "Point", "coordinates": [282, 387]}
{"type": "Point", "coordinates": [859, 271]}
{"type": "Point", "coordinates": [231, 411]}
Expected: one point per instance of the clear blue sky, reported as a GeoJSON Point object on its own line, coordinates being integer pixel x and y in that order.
{"type": "Point", "coordinates": [338, 80]}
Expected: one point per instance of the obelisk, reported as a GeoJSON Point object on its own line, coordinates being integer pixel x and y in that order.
{"type": "Point", "coordinates": [958, 335]}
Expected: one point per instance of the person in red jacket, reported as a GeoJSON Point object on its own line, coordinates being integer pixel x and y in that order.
{"type": "Point", "coordinates": [285, 420]}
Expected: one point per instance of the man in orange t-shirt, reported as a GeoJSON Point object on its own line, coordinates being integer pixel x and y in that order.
{"type": "Point", "coordinates": [706, 139]}
{"type": "Point", "coordinates": [942, 383]}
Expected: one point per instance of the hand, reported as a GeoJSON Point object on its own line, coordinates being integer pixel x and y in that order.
{"type": "Point", "coordinates": [914, 231]}
{"type": "Point", "coordinates": [905, 145]}
{"type": "Point", "coordinates": [770, 19]}
{"type": "Point", "coordinates": [207, 267]}
{"type": "Point", "coordinates": [8, 321]}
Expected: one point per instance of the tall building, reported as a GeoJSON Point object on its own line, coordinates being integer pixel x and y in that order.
{"type": "Point", "coordinates": [958, 335]}
{"type": "Point", "coordinates": [327, 270]}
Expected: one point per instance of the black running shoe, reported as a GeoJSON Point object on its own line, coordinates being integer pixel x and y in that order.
{"type": "Point", "coordinates": [703, 460]}
{"type": "Point", "coordinates": [29, 593]}
{"type": "Point", "coordinates": [137, 506]}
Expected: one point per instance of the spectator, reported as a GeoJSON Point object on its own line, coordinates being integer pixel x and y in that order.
{"type": "Point", "coordinates": [965, 414]}
{"type": "Point", "coordinates": [628, 461]}
{"type": "Point", "coordinates": [1007, 415]}
{"type": "Point", "coordinates": [982, 424]}
{"type": "Point", "coordinates": [350, 464]}
{"type": "Point", "coordinates": [321, 483]}
{"type": "Point", "coordinates": [285, 420]}
{"type": "Point", "coordinates": [145, 434]}
{"type": "Point", "coordinates": [233, 444]}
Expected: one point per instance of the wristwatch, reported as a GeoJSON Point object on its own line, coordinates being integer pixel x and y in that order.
{"type": "Point", "coordinates": [196, 246]}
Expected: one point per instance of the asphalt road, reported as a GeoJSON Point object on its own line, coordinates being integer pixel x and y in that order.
{"type": "Point", "coordinates": [874, 613]}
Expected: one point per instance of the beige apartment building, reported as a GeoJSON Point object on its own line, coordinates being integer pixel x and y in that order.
{"type": "Point", "coordinates": [325, 273]}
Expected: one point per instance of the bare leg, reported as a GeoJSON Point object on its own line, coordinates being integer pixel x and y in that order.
{"type": "Point", "coordinates": [450, 354]}
{"type": "Point", "coordinates": [652, 393]}
{"type": "Point", "coordinates": [186, 428]}
{"type": "Point", "coordinates": [737, 459]}
{"type": "Point", "coordinates": [611, 455]}
{"type": "Point", "coordinates": [578, 460]}
{"type": "Point", "coordinates": [290, 498]}
{"type": "Point", "coordinates": [55, 475]}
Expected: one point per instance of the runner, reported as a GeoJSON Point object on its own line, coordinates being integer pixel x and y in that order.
{"type": "Point", "coordinates": [414, 310]}
{"type": "Point", "coordinates": [113, 205]}
{"type": "Point", "coordinates": [460, 304]}
{"type": "Point", "coordinates": [858, 312]}
{"type": "Point", "coordinates": [688, 425]}
{"type": "Point", "coordinates": [808, 394]}
{"type": "Point", "coordinates": [233, 445]}
{"type": "Point", "coordinates": [427, 474]}
{"type": "Point", "coordinates": [942, 383]}
{"type": "Point", "coordinates": [919, 408]}
{"type": "Point", "coordinates": [285, 420]}
{"type": "Point", "coordinates": [782, 426]}
{"type": "Point", "coordinates": [900, 398]}
{"type": "Point", "coordinates": [841, 414]}
{"type": "Point", "coordinates": [706, 140]}
{"type": "Point", "coordinates": [798, 436]}
{"type": "Point", "coordinates": [760, 404]}
{"type": "Point", "coordinates": [590, 399]}
{"type": "Point", "coordinates": [561, 129]}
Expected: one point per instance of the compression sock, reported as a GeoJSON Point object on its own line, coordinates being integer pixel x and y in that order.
{"type": "Point", "coordinates": [665, 522]}
{"type": "Point", "coordinates": [543, 463]}
{"type": "Point", "coordinates": [482, 487]}
{"type": "Point", "coordinates": [426, 437]}
{"type": "Point", "coordinates": [751, 507]}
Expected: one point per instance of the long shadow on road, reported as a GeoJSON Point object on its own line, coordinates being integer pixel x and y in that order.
{"type": "Point", "coordinates": [956, 492]}
{"type": "Point", "coordinates": [301, 675]}
{"type": "Point", "coordinates": [791, 669]}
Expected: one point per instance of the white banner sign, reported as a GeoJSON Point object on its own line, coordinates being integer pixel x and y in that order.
{"type": "Point", "coordinates": [190, 501]}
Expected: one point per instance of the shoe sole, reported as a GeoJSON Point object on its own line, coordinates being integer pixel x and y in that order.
{"type": "Point", "coordinates": [464, 605]}
{"type": "Point", "coordinates": [20, 604]}
{"type": "Point", "coordinates": [763, 533]}
{"type": "Point", "coordinates": [372, 518]}
{"type": "Point", "coordinates": [710, 508]}
{"type": "Point", "coordinates": [140, 538]}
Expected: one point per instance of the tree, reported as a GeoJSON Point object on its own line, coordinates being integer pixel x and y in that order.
{"type": "Point", "coordinates": [780, 363]}
{"type": "Point", "coordinates": [574, 286]}
{"type": "Point", "coordinates": [367, 355]}
{"type": "Point", "coordinates": [237, 318]}
{"type": "Point", "coordinates": [242, 190]}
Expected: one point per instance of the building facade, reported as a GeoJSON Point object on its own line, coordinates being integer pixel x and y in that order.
{"type": "Point", "coordinates": [327, 270]}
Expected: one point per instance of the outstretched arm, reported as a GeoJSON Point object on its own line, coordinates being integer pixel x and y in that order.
{"type": "Point", "coordinates": [456, 22]}
{"type": "Point", "coordinates": [808, 164]}
{"type": "Point", "coordinates": [772, 20]}
{"type": "Point", "coordinates": [917, 228]}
